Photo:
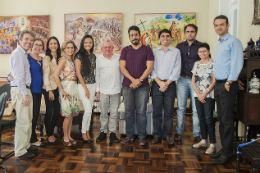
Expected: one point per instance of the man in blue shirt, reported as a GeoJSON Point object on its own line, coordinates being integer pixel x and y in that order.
{"type": "Point", "coordinates": [165, 72]}
{"type": "Point", "coordinates": [228, 62]}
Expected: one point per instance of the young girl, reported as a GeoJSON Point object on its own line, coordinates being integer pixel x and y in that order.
{"type": "Point", "coordinates": [68, 89]}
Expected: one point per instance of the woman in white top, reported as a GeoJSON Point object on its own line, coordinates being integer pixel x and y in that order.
{"type": "Point", "coordinates": [203, 82]}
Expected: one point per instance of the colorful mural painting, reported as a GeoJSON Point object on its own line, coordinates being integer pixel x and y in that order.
{"type": "Point", "coordinates": [152, 23]}
{"type": "Point", "coordinates": [102, 27]}
{"type": "Point", "coordinates": [11, 27]}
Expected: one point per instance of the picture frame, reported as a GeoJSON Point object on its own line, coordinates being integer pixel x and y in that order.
{"type": "Point", "coordinates": [150, 25]}
{"type": "Point", "coordinates": [11, 27]}
{"type": "Point", "coordinates": [256, 17]}
{"type": "Point", "coordinates": [102, 26]}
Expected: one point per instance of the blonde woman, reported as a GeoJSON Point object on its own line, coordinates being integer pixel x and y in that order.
{"type": "Point", "coordinates": [68, 89]}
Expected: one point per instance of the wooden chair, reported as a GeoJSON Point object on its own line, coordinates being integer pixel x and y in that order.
{"type": "Point", "coordinates": [4, 125]}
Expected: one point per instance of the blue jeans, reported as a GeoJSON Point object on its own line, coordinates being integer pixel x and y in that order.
{"type": "Point", "coordinates": [207, 124]}
{"type": "Point", "coordinates": [184, 88]}
{"type": "Point", "coordinates": [136, 102]}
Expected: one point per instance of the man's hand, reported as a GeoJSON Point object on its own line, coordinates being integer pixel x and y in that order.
{"type": "Point", "coordinates": [227, 87]}
{"type": "Point", "coordinates": [98, 96]}
{"type": "Point", "coordinates": [240, 85]}
{"type": "Point", "coordinates": [137, 82]}
{"type": "Point", "coordinates": [51, 95]}
{"type": "Point", "coordinates": [26, 100]}
{"type": "Point", "coordinates": [163, 86]}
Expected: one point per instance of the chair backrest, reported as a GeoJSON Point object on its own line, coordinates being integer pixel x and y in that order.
{"type": "Point", "coordinates": [2, 106]}
{"type": "Point", "coordinates": [6, 88]}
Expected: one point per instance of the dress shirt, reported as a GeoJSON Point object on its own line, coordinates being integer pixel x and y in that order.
{"type": "Point", "coordinates": [167, 65]}
{"type": "Point", "coordinates": [108, 75]}
{"type": "Point", "coordinates": [20, 69]}
{"type": "Point", "coordinates": [228, 58]}
{"type": "Point", "coordinates": [187, 61]}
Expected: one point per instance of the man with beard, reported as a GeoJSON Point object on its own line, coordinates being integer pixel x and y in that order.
{"type": "Point", "coordinates": [228, 62]}
{"type": "Point", "coordinates": [189, 56]}
{"type": "Point", "coordinates": [136, 64]}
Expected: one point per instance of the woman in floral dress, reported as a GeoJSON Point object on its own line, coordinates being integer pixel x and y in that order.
{"type": "Point", "coordinates": [69, 98]}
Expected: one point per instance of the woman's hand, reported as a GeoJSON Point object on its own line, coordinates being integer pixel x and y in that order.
{"type": "Point", "coordinates": [201, 98]}
{"type": "Point", "coordinates": [51, 95]}
{"type": "Point", "coordinates": [65, 95]}
{"type": "Point", "coordinates": [86, 92]}
{"type": "Point", "coordinates": [10, 78]}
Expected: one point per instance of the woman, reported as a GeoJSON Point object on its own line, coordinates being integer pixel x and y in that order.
{"type": "Point", "coordinates": [85, 66]}
{"type": "Point", "coordinates": [36, 70]}
{"type": "Point", "coordinates": [50, 89]}
{"type": "Point", "coordinates": [203, 82]}
{"type": "Point", "coordinates": [68, 89]}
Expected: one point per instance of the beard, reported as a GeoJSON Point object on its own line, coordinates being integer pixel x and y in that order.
{"type": "Point", "coordinates": [135, 42]}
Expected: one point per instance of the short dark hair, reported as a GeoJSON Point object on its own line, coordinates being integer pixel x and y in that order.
{"type": "Point", "coordinates": [204, 45]}
{"type": "Point", "coordinates": [221, 17]}
{"type": "Point", "coordinates": [191, 25]}
{"type": "Point", "coordinates": [133, 27]}
{"type": "Point", "coordinates": [165, 31]}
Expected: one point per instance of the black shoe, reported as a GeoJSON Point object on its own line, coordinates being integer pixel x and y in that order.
{"type": "Point", "coordinates": [216, 155]}
{"type": "Point", "coordinates": [28, 155]}
{"type": "Point", "coordinates": [177, 137]}
{"type": "Point", "coordinates": [32, 148]}
{"type": "Point", "coordinates": [197, 139]}
{"type": "Point", "coordinates": [221, 160]}
{"type": "Point", "coordinates": [86, 141]}
{"type": "Point", "coordinates": [53, 143]}
{"type": "Point", "coordinates": [113, 138]}
{"type": "Point", "coordinates": [101, 137]}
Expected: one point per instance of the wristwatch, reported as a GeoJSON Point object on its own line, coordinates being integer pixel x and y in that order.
{"type": "Point", "coordinates": [227, 83]}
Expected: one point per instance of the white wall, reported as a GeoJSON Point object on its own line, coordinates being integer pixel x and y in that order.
{"type": "Point", "coordinates": [205, 10]}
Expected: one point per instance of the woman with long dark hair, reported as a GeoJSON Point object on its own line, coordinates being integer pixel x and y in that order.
{"type": "Point", "coordinates": [50, 89]}
{"type": "Point", "coordinates": [85, 67]}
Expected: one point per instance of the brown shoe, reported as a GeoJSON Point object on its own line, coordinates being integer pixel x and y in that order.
{"type": "Point", "coordinates": [142, 141]}
{"type": "Point", "coordinates": [127, 140]}
{"type": "Point", "coordinates": [156, 140]}
{"type": "Point", "coordinates": [197, 139]}
{"type": "Point", "coordinates": [177, 137]}
{"type": "Point", "coordinates": [169, 140]}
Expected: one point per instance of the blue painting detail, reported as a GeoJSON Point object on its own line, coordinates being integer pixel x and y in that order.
{"type": "Point", "coordinates": [178, 16]}
{"type": "Point", "coordinates": [168, 16]}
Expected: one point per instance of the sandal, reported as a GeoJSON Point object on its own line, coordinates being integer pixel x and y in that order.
{"type": "Point", "coordinates": [210, 150]}
{"type": "Point", "coordinates": [73, 142]}
{"type": "Point", "coordinates": [67, 144]}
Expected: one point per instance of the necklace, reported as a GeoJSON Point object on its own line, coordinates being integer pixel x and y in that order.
{"type": "Point", "coordinates": [72, 64]}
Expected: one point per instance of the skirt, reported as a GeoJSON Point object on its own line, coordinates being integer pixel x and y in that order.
{"type": "Point", "coordinates": [69, 107]}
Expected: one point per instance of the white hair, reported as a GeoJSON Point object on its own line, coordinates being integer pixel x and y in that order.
{"type": "Point", "coordinates": [106, 41]}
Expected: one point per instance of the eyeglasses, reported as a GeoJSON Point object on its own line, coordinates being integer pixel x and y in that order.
{"type": "Point", "coordinates": [38, 45]}
{"type": "Point", "coordinates": [202, 51]}
{"type": "Point", "coordinates": [188, 53]}
{"type": "Point", "coordinates": [109, 47]}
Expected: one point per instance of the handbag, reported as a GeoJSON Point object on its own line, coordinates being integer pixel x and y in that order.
{"type": "Point", "coordinates": [9, 114]}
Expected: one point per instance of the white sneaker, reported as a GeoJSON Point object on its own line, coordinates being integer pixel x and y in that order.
{"type": "Point", "coordinates": [201, 144]}
{"type": "Point", "coordinates": [210, 150]}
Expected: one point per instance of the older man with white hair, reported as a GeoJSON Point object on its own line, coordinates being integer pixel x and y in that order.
{"type": "Point", "coordinates": [108, 88]}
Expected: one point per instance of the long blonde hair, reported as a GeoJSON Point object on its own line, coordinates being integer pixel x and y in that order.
{"type": "Point", "coordinates": [65, 43]}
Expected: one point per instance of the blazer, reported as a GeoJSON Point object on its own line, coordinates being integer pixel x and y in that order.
{"type": "Point", "coordinates": [49, 67]}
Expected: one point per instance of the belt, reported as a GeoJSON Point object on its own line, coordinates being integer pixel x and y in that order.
{"type": "Point", "coordinates": [221, 81]}
{"type": "Point", "coordinates": [25, 85]}
{"type": "Point", "coordinates": [164, 80]}
{"type": "Point", "coordinates": [186, 76]}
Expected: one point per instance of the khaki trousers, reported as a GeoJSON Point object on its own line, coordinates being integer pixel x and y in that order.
{"type": "Point", "coordinates": [23, 125]}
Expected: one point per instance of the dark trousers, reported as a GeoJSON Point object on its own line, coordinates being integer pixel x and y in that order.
{"type": "Point", "coordinates": [163, 100]}
{"type": "Point", "coordinates": [225, 109]}
{"type": "Point", "coordinates": [36, 111]}
{"type": "Point", "coordinates": [52, 111]}
{"type": "Point", "coordinates": [205, 113]}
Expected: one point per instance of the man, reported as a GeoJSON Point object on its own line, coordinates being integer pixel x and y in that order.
{"type": "Point", "coordinates": [136, 64]}
{"type": "Point", "coordinates": [228, 62]}
{"type": "Point", "coordinates": [189, 56]}
{"type": "Point", "coordinates": [108, 88]}
{"type": "Point", "coordinates": [21, 95]}
{"type": "Point", "coordinates": [166, 71]}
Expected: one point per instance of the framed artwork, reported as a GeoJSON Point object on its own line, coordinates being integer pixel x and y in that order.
{"type": "Point", "coordinates": [256, 17]}
{"type": "Point", "coordinates": [11, 27]}
{"type": "Point", "coordinates": [102, 26]}
{"type": "Point", "coordinates": [152, 23]}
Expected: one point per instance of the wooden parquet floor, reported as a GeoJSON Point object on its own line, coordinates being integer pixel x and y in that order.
{"type": "Point", "coordinates": [118, 158]}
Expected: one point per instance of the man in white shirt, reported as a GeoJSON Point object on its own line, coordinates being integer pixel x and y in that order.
{"type": "Point", "coordinates": [108, 88]}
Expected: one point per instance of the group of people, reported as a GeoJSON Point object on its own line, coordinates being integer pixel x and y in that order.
{"type": "Point", "coordinates": [67, 76]}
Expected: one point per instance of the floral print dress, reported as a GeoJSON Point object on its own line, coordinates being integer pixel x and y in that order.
{"type": "Point", "coordinates": [69, 107]}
